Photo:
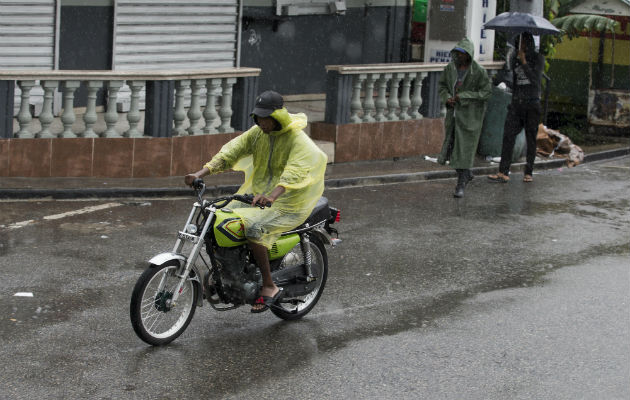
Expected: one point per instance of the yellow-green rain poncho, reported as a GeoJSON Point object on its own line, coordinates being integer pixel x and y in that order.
{"type": "Point", "coordinates": [287, 157]}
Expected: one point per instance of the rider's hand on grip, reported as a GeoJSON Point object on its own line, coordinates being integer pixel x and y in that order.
{"type": "Point", "coordinates": [256, 201]}
{"type": "Point", "coordinates": [197, 183]}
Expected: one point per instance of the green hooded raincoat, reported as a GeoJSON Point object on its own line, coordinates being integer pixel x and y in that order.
{"type": "Point", "coordinates": [462, 126]}
{"type": "Point", "coordinates": [287, 157]}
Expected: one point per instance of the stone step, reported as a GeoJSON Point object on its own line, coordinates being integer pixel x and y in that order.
{"type": "Point", "coordinates": [328, 148]}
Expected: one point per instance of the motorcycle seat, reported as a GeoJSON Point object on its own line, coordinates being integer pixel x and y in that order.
{"type": "Point", "coordinates": [320, 212]}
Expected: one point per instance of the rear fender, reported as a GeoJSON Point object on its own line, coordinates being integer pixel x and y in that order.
{"type": "Point", "coordinates": [163, 258]}
{"type": "Point", "coordinates": [322, 235]}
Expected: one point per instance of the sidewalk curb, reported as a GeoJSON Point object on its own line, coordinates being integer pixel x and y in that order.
{"type": "Point", "coordinates": [333, 183]}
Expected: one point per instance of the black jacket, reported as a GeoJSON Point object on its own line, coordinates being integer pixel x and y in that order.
{"type": "Point", "coordinates": [526, 78]}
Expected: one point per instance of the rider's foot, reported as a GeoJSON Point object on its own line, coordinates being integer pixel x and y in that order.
{"type": "Point", "coordinates": [268, 295]}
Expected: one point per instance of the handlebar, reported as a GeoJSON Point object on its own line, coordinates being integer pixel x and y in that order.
{"type": "Point", "coordinates": [200, 187]}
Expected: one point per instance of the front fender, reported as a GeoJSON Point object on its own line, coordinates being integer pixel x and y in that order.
{"type": "Point", "coordinates": [163, 258]}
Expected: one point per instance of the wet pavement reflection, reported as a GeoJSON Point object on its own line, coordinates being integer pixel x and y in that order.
{"type": "Point", "coordinates": [411, 259]}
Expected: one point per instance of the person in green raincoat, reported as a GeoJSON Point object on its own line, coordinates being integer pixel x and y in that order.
{"type": "Point", "coordinates": [464, 87]}
{"type": "Point", "coordinates": [283, 167]}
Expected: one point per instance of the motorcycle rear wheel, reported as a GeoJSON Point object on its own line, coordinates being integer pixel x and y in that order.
{"type": "Point", "coordinates": [304, 304]}
{"type": "Point", "coordinates": [153, 319]}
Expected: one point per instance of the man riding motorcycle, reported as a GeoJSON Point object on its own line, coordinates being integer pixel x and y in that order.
{"type": "Point", "coordinates": [284, 170]}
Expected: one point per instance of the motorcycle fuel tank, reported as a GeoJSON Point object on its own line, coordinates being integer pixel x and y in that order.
{"type": "Point", "coordinates": [228, 229]}
{"type": "Point", "coordinates": [230, 232]}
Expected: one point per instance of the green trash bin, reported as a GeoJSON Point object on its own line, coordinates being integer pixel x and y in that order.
{"type": "Point", "coordinates": [491, 139]}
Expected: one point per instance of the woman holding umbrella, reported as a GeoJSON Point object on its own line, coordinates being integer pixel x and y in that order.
{"type": "Point", "coordinates": [525, 109]}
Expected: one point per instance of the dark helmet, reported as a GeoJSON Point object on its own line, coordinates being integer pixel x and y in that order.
{"type": "Point", "coordinates": [266, 103]}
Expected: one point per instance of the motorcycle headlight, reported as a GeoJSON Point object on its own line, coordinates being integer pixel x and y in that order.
{"type": "Point", "coordinates": [192, 229]}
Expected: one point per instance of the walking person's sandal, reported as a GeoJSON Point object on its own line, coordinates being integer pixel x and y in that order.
{"type": "Point", "coordinates": [499, 177]}
{"type": "Point", "coordinates": [528, 178]}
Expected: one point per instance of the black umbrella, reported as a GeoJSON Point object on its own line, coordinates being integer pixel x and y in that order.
{"type": "Point", "coordinates": [517, 22]}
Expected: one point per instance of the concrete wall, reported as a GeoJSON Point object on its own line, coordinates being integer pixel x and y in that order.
{"type": "Point", "coordinates": [294, 50]}
{"type": "Point", "coordinates": [382, 140]}
{"type": "Point", "coordinates": [103, 157]}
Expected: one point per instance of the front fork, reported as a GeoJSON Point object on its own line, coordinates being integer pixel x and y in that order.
{"type": "Point", "coordinates": [194, 253]}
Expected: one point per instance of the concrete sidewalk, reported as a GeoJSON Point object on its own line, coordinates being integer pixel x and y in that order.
{"type": "Point", "coordinates": [337, 176]}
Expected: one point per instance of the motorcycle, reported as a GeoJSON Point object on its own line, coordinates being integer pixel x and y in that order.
{"type": "Point", "coordinates": [166, 295]}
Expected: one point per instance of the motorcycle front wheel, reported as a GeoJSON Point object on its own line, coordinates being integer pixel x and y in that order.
{"type": "Point", "coordinates": [155, 319]}
{"type": "Point", "coordinates": [297, 307]}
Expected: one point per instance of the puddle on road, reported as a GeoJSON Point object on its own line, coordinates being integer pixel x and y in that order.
{"type": "Point", "coordinates": [408, 314]}
{"type": "Point", "coordinates": [46, 307]}
{"type": "Point", "coordinates": [596, 209]}
{"type": "Point", "coordinates": [97, 227]}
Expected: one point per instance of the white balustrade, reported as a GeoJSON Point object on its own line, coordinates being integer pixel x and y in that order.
{"type": "Point", "coordinates": [209, 93]}
{"type": "Point", "coordinates": [398, 90]}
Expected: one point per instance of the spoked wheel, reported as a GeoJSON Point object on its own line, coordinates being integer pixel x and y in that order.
{"type": "Point", "coordinates": [154, 317]}
{"type": "Point", "coordinates": [297, 307]}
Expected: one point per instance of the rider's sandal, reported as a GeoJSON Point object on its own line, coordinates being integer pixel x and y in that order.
{"type": "Point", "coordinates": [528, 178]}
{"type": "Point", "coordinates": [499, 177]}
{"type": "Point", "coordinates": [266, 302]}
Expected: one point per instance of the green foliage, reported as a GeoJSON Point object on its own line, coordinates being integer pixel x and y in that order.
{"type": "Point", "coordinates": [573, 25]}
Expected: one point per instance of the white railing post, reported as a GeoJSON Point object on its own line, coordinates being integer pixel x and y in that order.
{"type": "Point", "coordinates": [393, 97]}
{"type": "Point", "coordinates": [226, 105]}
{"type": "Point", "coordinates": [133, 116]}
{"type": "Point", "coordinates": [210, 112]}
{"type": "Point", "coordinates": [46, 117]}
{"type": "Point", "coordinates": [405, 101]}
{"type": "Point", "coordinates": [355, 102]}
{"type": "Point", "coordinates": [194, 112]}
{"type": "Point", "coordinates": [381, 100]}
{"type": "Point", "coordinates": [416, 100]}
{"type": "Point", "coordinates": [68, 117]}
{"type": "Point", "coordinates": [111, 115]}
{"type": "Point", "coordinates": [180, 112]}
{"type": "Point", "coordinates": [368, 100]}
{"type": "Point", "coordinates": [24, 116]}
{"type": "Point", "coordinates": [90, 117]}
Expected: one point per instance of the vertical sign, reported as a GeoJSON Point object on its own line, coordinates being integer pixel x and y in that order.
{"type": "Point", "coordinates": [484, 38]}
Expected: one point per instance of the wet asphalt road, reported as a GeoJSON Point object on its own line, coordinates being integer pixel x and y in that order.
{"type": "Point", "coordinates": [516, 291]}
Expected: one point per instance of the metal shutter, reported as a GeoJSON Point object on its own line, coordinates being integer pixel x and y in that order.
{"type": "Point", "coordinates": [172, 34]}
{"type": "Point", "coordinates": [27, 34]}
